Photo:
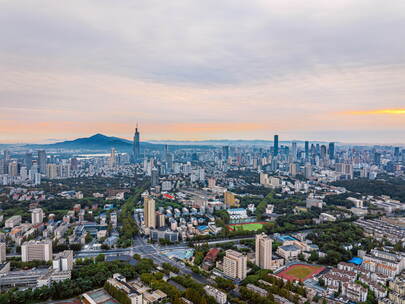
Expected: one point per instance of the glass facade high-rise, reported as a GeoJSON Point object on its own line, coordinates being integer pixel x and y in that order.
{"type": "Point", "coordinates": [332, 150]}
{"type": "Point", "coordinates": [275, 151]}
{"type": "Point", "coordinates": [42, 161]}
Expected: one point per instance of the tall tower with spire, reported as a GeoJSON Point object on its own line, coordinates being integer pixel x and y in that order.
{"type": "Point", "coordinates": [136, 147]}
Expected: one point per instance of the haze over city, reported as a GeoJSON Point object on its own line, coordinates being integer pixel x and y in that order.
{"type": "Point", "coordinates": [187, 70]}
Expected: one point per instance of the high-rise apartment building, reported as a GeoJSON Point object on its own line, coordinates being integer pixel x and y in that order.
{"type": "Point", "coordinates": [229, 199]}
{"type": "Point", "coordinates": [149, 212]}
{"type": "Point", "coordinates": [51, 171]}
{"type": "Point", "coordinates": [235, 264]}
{"type": "Point", "coordinates": [263, 251]}
{"type": "Point", "coordinates": [36, 251]}
{"type": "Point", "coordinates": [37, 216]}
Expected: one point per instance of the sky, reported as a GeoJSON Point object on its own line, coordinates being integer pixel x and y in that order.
{"type": "Point", "coordinates": [195, 70]}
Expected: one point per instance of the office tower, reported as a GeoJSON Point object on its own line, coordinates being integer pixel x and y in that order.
{"type": "Point", "coordinates": [225, 152]}
{"type": "Point", "coordinates": [155, 177]}
{"type": "Point", "coordinates": [165, 153]}
{"type": "Point", "coordinates": [3, 252]}
{"type": "Point", "coordinates": [229, 199]}
{"type": "Point", "coordinates": [74, 164]}
{"type": "Point", "coordinates": [6, 155]}
{"type": "Point", "coordinates": [51, 171]}
{"type": "Point", "coordinates": [28, 160]}
{"type": "Point", "coordinates": [37, 216]}
{"type": "Point", "coordinates": [36, 251]}
{"type": "Point", "coordinates": [396, 153]}
{"type": "Point", "coordinates": [294, 151]}
{"type": "Point", "coordinates": [149, 212]}
{"type": "Point", "coordinates": [42, 162]}
{"type": "Point", "coordinates": [275, 148]}
{"type": "Point", "coordinates": [235, 264]}
{"type": "Point", "coordinates": [263, 251]}
{"type": "Point", "coordinates": [323, 152]}
{"type": "Point", "coordinates": [308, 171]}
{"type": "Point", "coordinates": [137, 147]}
{"type": "Point", "coordinates": [377, 158]}
{"type": "Point", "coordinates": [63, 261]}
{"type": "Point", "coordinates": [306, 150]}
{"type": "Point", "coordinates": [331, 150]}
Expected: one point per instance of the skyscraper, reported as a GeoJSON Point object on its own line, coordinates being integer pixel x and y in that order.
{"type": "Point", "coordinates": [331, 150]}
{"type": "Point", "coordinates": [306, 150]}
{"type": "Point", "coordinates": [149, 213]}
{"type": "Point", "coordinates": [294, 150]}
{"type": "Point", "coordinates": [155, 177]}
{"type": "Point", "coordinates": [225, 152]}
{"type": "Point", "coordinates": [263, 251]}
{"type": "Point", "coordinates": [28, 160]}
{"type": "Point", "coordinates": [275, 151]}
{"type": "Point", "coordinates": [136, 147]}
{"type": "Point", "coordinates": [42, 161]}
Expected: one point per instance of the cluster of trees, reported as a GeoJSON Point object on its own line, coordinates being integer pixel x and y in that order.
{"type": "Point", "coordinates": [194, 291]}
{"type": "Point", "coordinates": [254, 298]}
{"type": "Point", "coordinates": [86, 276]}
{"type": "Point", "coordinates": [339, 200]}
{"type": "Point", "coordinates": [277, 286]}
{"type": "Point", "coordinates": [394, 187]}
{"type": "Point", "coordinates": [170, 268]}
{"type": "Point", "coordinates": [117, 294]}
{"type": "Point", "coordinates": [18, 264]}
{"type": "Point", "coordinates": [129, 227]}
{"type": "Point", "coordinates": [333, 239]}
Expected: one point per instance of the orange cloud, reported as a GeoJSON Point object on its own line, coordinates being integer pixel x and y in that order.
{"type": "Point", "coordinates": [377, 112]}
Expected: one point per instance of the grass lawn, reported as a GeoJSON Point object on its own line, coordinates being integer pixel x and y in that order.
{"type": "Point", "coordinates": [299, 272]}
{"type": "Point", "coordinates": [248, 227]}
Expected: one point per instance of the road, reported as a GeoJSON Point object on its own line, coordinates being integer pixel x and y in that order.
{"type": "Point", "coordinates": [152, 251]}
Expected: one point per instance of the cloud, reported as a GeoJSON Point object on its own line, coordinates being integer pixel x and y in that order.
{"type": "Point", "coordinates": [378, 112]}
{"type": "Point", "coordinates": [219, 69]}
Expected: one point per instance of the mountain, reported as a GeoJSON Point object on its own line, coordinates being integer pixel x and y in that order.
{"type": "Point", "coordinates": [95, 142]}
{"type": "Point", "coordinates": [100, 142]}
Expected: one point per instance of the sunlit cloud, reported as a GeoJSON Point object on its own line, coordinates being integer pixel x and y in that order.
{"type": "Point", "coordinates": [377, 112]}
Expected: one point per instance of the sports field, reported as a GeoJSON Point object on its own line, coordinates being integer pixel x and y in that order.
{"type": "Point", "coordinates": [246, 227]}
{"type": "Point", "coordinates": [300, 272]}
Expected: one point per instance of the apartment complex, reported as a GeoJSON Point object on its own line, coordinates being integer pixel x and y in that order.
{"type": "Point", "coordinates": [36, 251]}
{"type": "Point", "coordinates": [235, 264]}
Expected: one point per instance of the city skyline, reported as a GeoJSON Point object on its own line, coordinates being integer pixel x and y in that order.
{"type": "Point", "coordinates": [305, 71]}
